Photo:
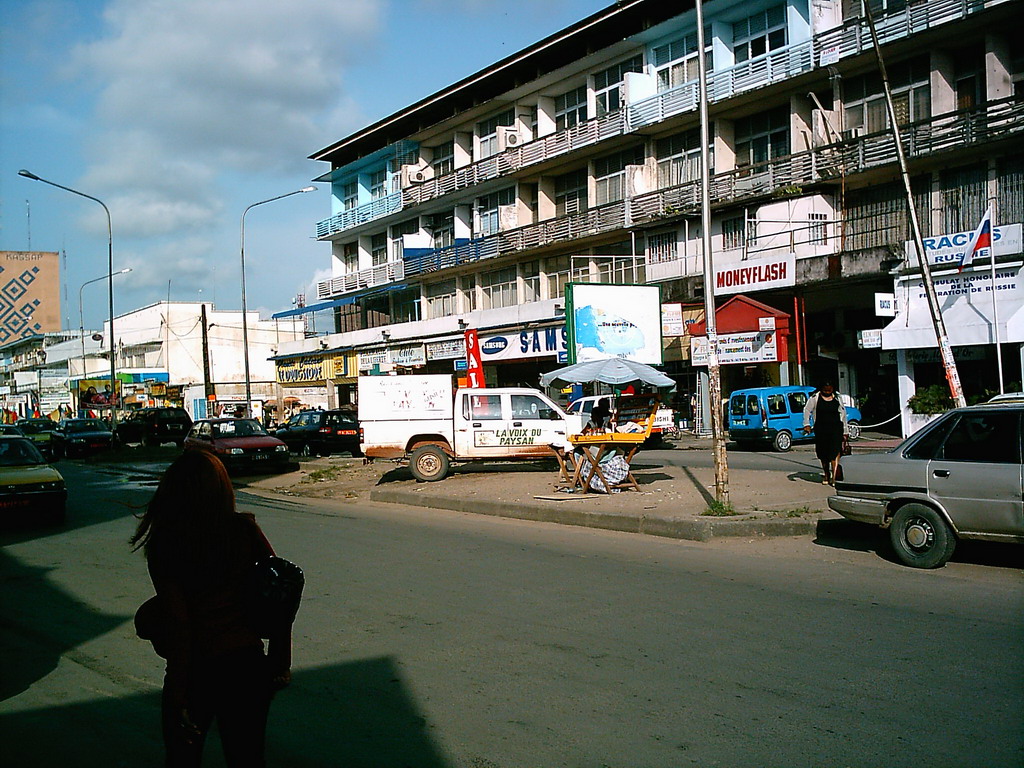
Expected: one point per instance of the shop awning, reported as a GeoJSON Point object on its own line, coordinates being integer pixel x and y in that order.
{"type": "Point", "coordinates": [968, 320]}
{"type": "Point", "coordinates": [314, 308]}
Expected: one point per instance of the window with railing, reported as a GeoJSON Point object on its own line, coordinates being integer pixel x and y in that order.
{"type": "Point", "coordinates": [762, 137]}
{"type": "Point", "coordinates": [734, 232]}
{"type": "Point", "coordinates": [817, 228]}
{"type": "Point", "coordinates": [379, 249]}
{"type": "Point", "coordinates": [964, 196]}
{"type": "Point", "coordinates": [398, 233]}
{"type": "Point", "coordinates": [487, 132]}
{"type": "Point", "coordinates": [969, 76]}
{"type": "Point", "coordinates": [676, 63]}
{"type": "Point", "coordinates": [499, 288]}
{"type": "Point", "coordinates": [571, 193]}
{"type": "Point", "coordinates": [407, 306]}
{"type": "Point", "coordinates": [571, 108]}
{"type": "Point", "coordinates": [529, 271]}
{"type": "Point", "coordinates": [350, 195]}
{"type": "Point", "coordinates": [679, 158]}
{"type": "Point", "coordinates": [443, 158]}
{"type": "Point", "coordinates": [619, 270]}
{"type": "Point", "coordinates": [608, 84]}
{"type": "Point", "coordinates": [761, 33]}
{"type": "Point", "coordinates": [876, 217]}
{"type": "Point", "coordinates": [854, 9]}
{"type": "Point", "coordinates": [661, 247]}
{"type": "Point", "coordinates": [1010, 195]}
{"type": "Point", "coordinates": [864, 97]}
{"type": "Point", "coordinates": [378, 184]}
{"type": "Point", "coordinates": [443, 229]}
{"type": "Point", "coordinates": [488, 210]}
{"type": "Point", "coordinates": [378, 311]}
{"type": "Point", "coordinates": [557, 271]}
{"type": "Point", "coordinates": [440, 298]}
{"type": "Point", "coordinates": [610, 174]}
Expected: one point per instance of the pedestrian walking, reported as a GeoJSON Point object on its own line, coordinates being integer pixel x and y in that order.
{"type": "Point", "coordinates": [828, 417]}
{"type": "Point", "coordinates": [200, 552]}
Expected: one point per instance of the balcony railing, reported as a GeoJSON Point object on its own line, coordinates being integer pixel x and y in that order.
{"type": "Point", "coordinates": [382, 274]}
{"type": "Point", "coordinates": [361, 214]}
{"type": "Point", "coordinates": [451, 256]}
{"type": "Point", "coordinates": [595, 221]}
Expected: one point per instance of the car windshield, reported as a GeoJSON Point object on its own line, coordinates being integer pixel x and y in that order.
{"type": "Point", "coordinates": [19, 453]}
{"type": "Point", "coordinates": [37, 427]}
{"type": "Point", "coordinates": [239, 428]}
{"type": "Point", "coordinates": [86, 425]}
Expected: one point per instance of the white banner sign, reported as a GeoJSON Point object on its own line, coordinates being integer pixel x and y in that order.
{"type": "Point", "coordinates": [672, 320]}
{"type": "Point", "coordinates": [756, 275]}
{"type": "Point", "coordinates": [885, 305]}
{"type": "Point", "coordinates": [539, 342]}
{"type": "Point", "coordinates": [734, 348]}
{"type": "Point", "coordinates": [948, 250]}
{"type": "Point", "coordinates": [414, 355]}
{"type": "Point", "coordinates": [452, 349]}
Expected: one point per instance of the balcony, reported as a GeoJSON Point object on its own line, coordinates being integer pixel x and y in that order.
{"type": "Point", "coordinates": [595, 221]}
{"type": "Point", "coordinates": [392, 272]}
{"type": "Point", "coordinates": [423, 261]}
{"type": "Point", "coordinates": [361, 214]}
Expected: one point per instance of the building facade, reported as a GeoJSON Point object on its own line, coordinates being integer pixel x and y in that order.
{"type": "Point", "coordinates": [578, 160]}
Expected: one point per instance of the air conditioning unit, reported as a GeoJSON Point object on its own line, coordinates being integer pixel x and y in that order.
{"type": "Point", "coordinates": [508, 137]}
{"type": "Point", "coordinates": [415, 174]}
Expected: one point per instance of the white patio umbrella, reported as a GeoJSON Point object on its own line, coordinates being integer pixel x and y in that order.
{"type": "Point", "coordinates": [610, 370]}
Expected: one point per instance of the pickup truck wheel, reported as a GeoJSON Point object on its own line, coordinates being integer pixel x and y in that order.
{"type": "Point", "coordinates": [429, 463]}
{"type": "Point", "coordinates": [783, 441]}
{"type": "Point", "coordinates": [920, 537]}
{"type": "Point", "coordinates": [853, 430]}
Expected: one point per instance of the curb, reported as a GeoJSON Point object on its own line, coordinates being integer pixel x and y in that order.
{"type": "Point", "coordinates": [688, 528]}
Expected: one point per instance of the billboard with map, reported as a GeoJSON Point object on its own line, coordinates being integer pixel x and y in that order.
{"type": "Point", "coordinates": [613, 321]}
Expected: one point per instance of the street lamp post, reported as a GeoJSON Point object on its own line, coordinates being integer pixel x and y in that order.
{"type": "Point", "coordinates": [110, 282]}
{"type": "Point", "coordinates": [81, 314]}
{"type": "Point", "coordinates": [245, 322]}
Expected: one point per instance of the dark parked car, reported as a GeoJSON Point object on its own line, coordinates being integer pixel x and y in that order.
{"type": "Point", "coordinates": [40, 432]}
{"type": "Point", "coordinates": [959, 477]}
{"type": "Point", "coordinates": [80, 437]}
{"type": "Point", "coordinates": [153, 426]}
{"type": "Point", "coordinates": [11, 429]}
{"type": "Point", "coordinates": [321, 432]}
{"type": "Point", "coordinates": [30, 489]}
{"type": "Point", "coordinates": [242, 444]}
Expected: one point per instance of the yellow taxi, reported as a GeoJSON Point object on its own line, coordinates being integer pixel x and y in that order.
{"type": "Point", "coordinates": [30, 489]}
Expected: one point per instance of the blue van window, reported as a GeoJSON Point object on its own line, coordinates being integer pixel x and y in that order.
{"type": "Point", "coordinates": [736, 406]}
{"type": "Point", "coordinates": [752, 405]}
{"type": "Point", "coordinates": [776, 405]}
{"type": "Point", "coordinates": [797, 401]}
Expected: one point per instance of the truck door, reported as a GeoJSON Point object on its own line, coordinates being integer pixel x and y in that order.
{"type": "Point", "coordinates": [536, 424]}
{"type": "Point", "coordinates": [481, 417]}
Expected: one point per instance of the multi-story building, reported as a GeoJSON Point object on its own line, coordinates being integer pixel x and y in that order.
{"type": "Point", "coordinates": [578, 160]}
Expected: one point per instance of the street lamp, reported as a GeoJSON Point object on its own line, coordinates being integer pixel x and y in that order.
{"type": "Point", "coordinates": [109, 276]}
{"type": "Point", "coordinates": [245, 323]}
{"type": "Point", "coordinates": [81, 316]}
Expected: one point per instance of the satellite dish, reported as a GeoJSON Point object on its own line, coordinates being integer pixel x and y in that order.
{"type": "Point", "coordinates": [97, 337]}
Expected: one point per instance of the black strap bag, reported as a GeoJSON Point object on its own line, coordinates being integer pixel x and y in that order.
{"type": "Point", "coordinates": [274, 593]}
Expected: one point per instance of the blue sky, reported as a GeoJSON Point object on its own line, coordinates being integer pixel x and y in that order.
{"type": "Point", "coordinates": [180, 113]}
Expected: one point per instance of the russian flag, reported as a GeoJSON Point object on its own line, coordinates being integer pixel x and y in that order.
{"type": "Point", "coordinates": [980, 240]}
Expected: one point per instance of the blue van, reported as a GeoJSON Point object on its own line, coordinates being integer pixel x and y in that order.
{"type": "Point", "coordinates": [775, 415]}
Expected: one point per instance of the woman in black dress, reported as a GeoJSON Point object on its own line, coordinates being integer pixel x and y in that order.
{"type": "Point", "coordinates": [828, 416]}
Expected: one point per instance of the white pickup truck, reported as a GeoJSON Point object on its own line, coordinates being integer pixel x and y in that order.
{"type": "Point", "coordinates": [422, 418]}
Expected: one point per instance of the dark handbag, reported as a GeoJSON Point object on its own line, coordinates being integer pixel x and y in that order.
{"type": "Point", "coordinates": [153, 622]}
{"type": "Point", "coordinates": [845, 449]}
{"type": "Point", "coordinates": [273, 594]}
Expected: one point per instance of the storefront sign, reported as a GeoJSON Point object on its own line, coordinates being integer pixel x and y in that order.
{"type": "Point", "coordinates": [539, 342]}
{"type": "Point", "coordinates": [367, 360]}
{"type": "Point", "coordinates": [885, 305]}
{"type": "Point", "coordinates": [474, 365]}
{"type": "Point", "coordinates": [672, 320]}
{"type": "Point", "coordinates": [735, 348]}
{"type": "Point", "coordinates": [948, 250]}
{"type": "Point", "coordinates": [756, 275]}
{"type": "Point", "coordinates": [410, 356]}
{"type": "Point", "coordinates": [870, 338]}
{"type": "Point", "coordinates": [446, 350]}
{"type": "Point", "coordinates": [301, 370]}
{"type": "Point", "coordinates": [960, 354]}
{"type": "Point", "coordinates": [766, 323]}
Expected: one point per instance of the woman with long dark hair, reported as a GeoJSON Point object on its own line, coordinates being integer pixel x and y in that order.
{"type": "Point", "coordinates": [200, 552]}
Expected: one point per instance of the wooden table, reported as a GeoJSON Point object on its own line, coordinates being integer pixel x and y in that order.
{"type": "Point", "coordinates": [591, 449]}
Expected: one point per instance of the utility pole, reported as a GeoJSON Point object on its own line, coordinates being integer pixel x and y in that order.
{"type": "Point", "coordinates": [208, 389]}
{"type": "Point", "coordinates": [945, 350]}
{"type": "Point", "coordinates": [714, 371]}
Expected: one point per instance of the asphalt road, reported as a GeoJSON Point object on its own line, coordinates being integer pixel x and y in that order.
{"type": "Point", "coordinates": [429, 638]}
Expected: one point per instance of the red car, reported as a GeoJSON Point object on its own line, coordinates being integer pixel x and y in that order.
{"type": "Point", "coordinates": [242, 444]}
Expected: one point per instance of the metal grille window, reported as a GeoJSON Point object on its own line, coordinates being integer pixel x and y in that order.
{"type": "Point", "coordinates": [398, 231]}
{"type": "Point", "coordinates": [679, 158]}
{"type": "Point", "coordinates": [610, 174]}
{"type": "Point", "coordinates": [440, 298]}
{"type": "Point", "coordinates": [571, 193]}
{"type": "Point", "coordinates": [571, 108]}
{"type": "Point", "coordinates": [379, 249]}
{"type": "Point", "coordinates": [964, 195]}
{"type": "Point", "coordinates": [350, 195]}
{"type": "Point", "coordinates": [407, 306]}
{"type": "Point", "coordinates": [487, 132]}
{"type": "Point", "coordinates": [661, 247]}
{"type": "Point", "coordinates": [1011, 190]}
{"type": "Point", "coordinates": [676, 63]}
{"type": "Point", "coordinates": [854, 9]}
{"type": "Point", "coordinates": [759, 34]}
{"type": "Point", "coordinates": [818, 228]}
{"type": "Point", "coordinates": [877, 216]}
{"type": "Point", "coordinates": [487, 207]}
{"type": "Point", "coordinates": [864, 99]}
{"type": "Point", "coordinates": [350, 257]}
{"type": "Point", "coordinates": [608, 84]}
{"type": "Point", "coordinates": [378, 184]}
{"type": "Point", "coordinates": [499, 288]}
{"type": "Point", "coordinates": [443, 229]}
{"type": "Point", "coordinates": [733, 233]}
{"type": "Point", "coordinates": [443, 158]}
{"type": "Point", "coordinates": [530, 273]}
{"type": "Point", "coordinates": [762, 137]}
